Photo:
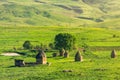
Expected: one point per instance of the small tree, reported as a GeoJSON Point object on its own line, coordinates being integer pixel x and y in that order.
{"type": "Point", "coordinates": [51, 45]}
{"type": "Point", "coordinates": [27, 45]}
{"type": "Point", "coordinates": [64, 40]}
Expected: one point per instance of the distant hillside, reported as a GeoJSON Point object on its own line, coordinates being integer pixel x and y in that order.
{"type": "Point", "coordinates": [59, 12]}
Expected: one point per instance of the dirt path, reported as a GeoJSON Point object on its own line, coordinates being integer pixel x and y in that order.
{"type": "Point", "coordinates": [10, 54]}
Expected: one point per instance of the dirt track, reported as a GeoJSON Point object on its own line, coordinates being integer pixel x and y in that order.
{"type": "Point", "coordinates": [10, 54]}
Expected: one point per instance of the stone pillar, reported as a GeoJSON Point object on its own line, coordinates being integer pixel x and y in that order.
{"type": "Point", "coordinates": [78, 57]}
{"type": "Point", "coordinates": [113, 54]}
{"type": "Point", "coordinates": [62, 51]}
{"type": "Point", "coordinates": [66, 54]}
{"type": "Point", "coordinates": [41, 58]}
{"type": "Point", "coordinates": [55, 54]}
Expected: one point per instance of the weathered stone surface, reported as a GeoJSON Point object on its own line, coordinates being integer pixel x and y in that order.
{"type": "Point", "coordinates": [66, 54]}
{"type": "Point", "coordinates": [113, 54]}
{"type": "Point", "coordinates": [62, 51]}
{"type": "Point", "coordinates": [19, 63]}
{"type": "Point", "coordinates": [55, 54]}
{"type": "Point", "coordinates": [78, 57]}
{"type": "Point", "coordinates": [41, 58]}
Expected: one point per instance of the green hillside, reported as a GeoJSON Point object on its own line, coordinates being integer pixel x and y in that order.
{"type": "Point", "coordinates": [94, 23]}
{"type": "Point", "coordinates": [59, 13]}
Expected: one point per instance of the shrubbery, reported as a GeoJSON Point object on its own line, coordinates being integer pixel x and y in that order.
{"type": "Point", "coordinates": [27, 45]}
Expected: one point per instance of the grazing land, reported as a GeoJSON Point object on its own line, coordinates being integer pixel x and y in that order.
{"type": "Point", "coordinates": [97, 65]}
{"type": "Point", "coordinates": [81, 13]}
{"type": "Point", "coordinates": [100, 66]}
{"type": "Point", "coordinates": [15, 36]}
{"type": "Point", "coordinates": [94, 24]}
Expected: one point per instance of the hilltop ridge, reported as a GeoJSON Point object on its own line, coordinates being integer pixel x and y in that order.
{"type": "Point", "coordinates": [59, 13]}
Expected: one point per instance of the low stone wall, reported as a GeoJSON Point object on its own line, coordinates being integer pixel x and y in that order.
{"type": "Point", "coordinates": [19, 63]}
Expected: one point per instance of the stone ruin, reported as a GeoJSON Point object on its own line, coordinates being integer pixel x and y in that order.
{"type": "Point", "coordinates": [55, 54]}
{"type": "Point", "coordinates": [40, 59]}
{"type": "Point", "coordinates": [66, 54]}
{"type": "Point", "coordinates": [78, 57]}
{"type": "Point", "coordinates": [19, 63]}
{"type": "Point", "coordinates": [62, 51]}
{"type": "Point", "coordinates": [113, 54]}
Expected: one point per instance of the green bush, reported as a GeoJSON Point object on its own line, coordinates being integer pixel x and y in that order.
{"type": "Point", "coordinates": [51, 45]}
{"type": "Point", "coordinates": [27, 45]}
{"type": "Point", "coordinates": [46, 14]}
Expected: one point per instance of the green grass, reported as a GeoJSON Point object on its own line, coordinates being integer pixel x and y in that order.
{"type": "Point", "coordinates": [15, 36]}
{"type": "Point", "coordinates": [98, 65]}
{"type": "Point", "coordinates": [39, 21]}
{"type": "Point", "coordinates": [59, 13]}
{"type": "Point", "coordinates": [93, 68]}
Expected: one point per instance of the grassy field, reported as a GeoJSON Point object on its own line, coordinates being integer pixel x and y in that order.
{"type": "Point", "coordinates": [15, 36]}
{"type": "Point", "coordinates": [96, 66]}
{"type": "Point", "coordinates": [94, 23]}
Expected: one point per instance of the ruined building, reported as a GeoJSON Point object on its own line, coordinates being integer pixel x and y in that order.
{"type": "Point", "coordinates": [78, 57]}
{"type": "Point", "coordinates": [41, 58]}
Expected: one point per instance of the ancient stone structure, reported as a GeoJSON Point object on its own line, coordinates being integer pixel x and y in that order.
{"type": "Point", "coordinates": [19, 63]}
{"type": "Point", "coordinates": [113, 54]}
{"type": "Point", "coordinates": [41, 58]}
{"type": "Point", "coordinates": [66, 54]}
{"type": "Point", "coordinates": [78, 57]}
{"type": "Point", "coordinates": [62, 51]}
{"type": "Point", "coordinates": [55, 54]}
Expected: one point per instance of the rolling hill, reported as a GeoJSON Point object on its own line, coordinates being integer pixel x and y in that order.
{"type": "Point", "coordinates": [95, 13]}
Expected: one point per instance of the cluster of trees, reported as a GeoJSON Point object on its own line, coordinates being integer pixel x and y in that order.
{"type": "Point", "coordinates": [62, 40]}
{"type": "Point", "coordinates": [27, 45]}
